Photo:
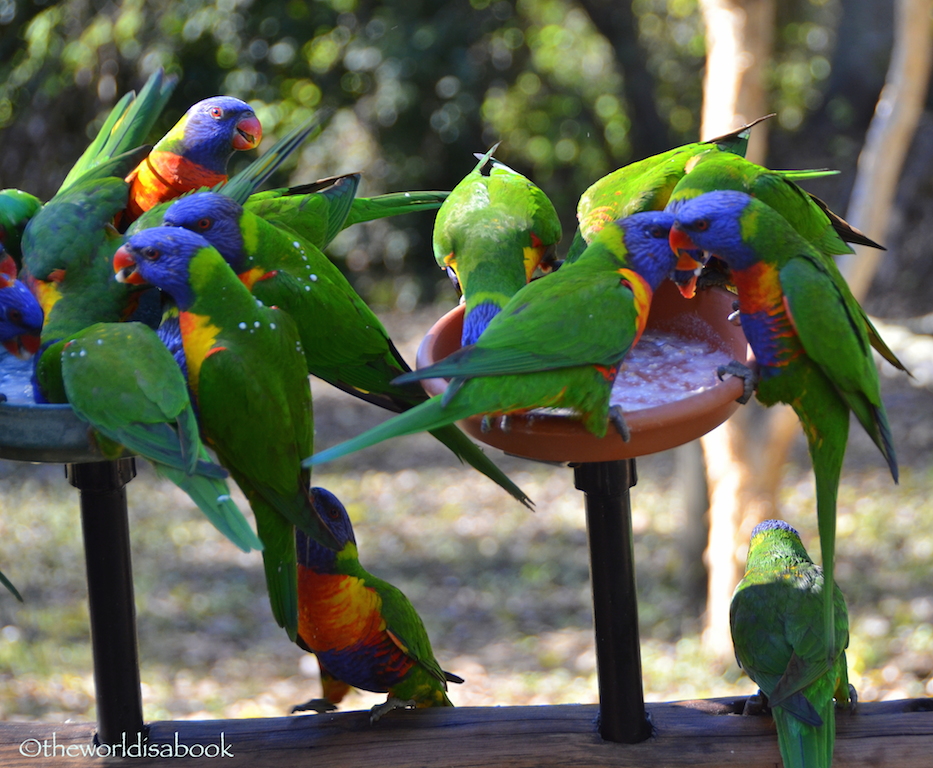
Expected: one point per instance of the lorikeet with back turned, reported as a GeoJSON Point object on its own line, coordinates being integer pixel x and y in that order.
{"type": "Point", "coordinates": [805, 328]}
{"type": "Point", "coordinates": [344, 343]}
{"type": "Point", "coordinates": [193, 154]}
{"type": "Point", "coordinates": [644, 185]}
{"type": "Point", "coordinates": [829, 234]}
{"type": "Point", "coordinates": [249, 386]}
{"type": "Point", "coordinates": [778, 641]}
{"type": "Point", "coordinates": [120, 379]}
{"type": "Point", "coordinates": [20, 313]}
{"type": "Point", "coordinates": [364, 631]}
{"type": "Point", "coordinates": [524, 360]}
{"type": "Point", "coordinates": [492, 232]}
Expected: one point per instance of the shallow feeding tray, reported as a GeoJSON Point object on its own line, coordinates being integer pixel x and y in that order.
{"type": "Point", "coordinates": [38, 432]}
{"type": "Point", "coordinates": [683, 338]}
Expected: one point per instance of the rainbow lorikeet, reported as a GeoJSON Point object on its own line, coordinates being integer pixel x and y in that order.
{"type": "Point", "coordinates": [829, 234]}
{"type": "Point", "coordinates": [193, 154]}
{"type": "Point", "coordinates": [20, 313]}
{"type": "Point", "coordinates": [805, 328]}
{"type": "Point", "coordinates": [249, 387]}
{"type": "Point", "coordinates": [364, 631]}
{"type": "Point", "coordinates": [68, 245]}
{"type": "Point", "coordinates": [775, 619]}
{"type": "Point", "coordinates": [120, 379]}
{"type": "Point", "coordinates": [524, 360]}
{"type": "Point", "coordinates": [644, 185]}
{"type": "Point", "coordinates": [491, 234]}
{"type": "Point", "coordinates": [344, 342]}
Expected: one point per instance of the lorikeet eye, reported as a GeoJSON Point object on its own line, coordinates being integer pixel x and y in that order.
{"type": "Point", "coordinates": [14, 315]}
{"type": "Point", "coordinates": [701, 225]}
{"type": "Point", "coordinates": [657, 231]}
{"type": "Point", "coordinates": [204, 224]}
{"type": "Point", "coordinates": [216, 113]}
{"type": "Point", "coordinates": [150, 253]}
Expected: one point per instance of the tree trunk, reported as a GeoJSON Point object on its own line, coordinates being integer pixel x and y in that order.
{"type": "Point", "coordinates": [889, 136]}
{"type": "Point", "coordinates": [743, 490]}
{"type": "Point", "coordinates": [739, 38]}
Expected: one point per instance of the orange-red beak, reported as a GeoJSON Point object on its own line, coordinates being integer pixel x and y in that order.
{"type": "Point", "coordinates": [688, 266]}
{"type": "Point", "coordinates": [124, 265]}
{"type": "Point", "coordinates": [248, 133]}
{"type": "Point", "coordinates": [23, 346]}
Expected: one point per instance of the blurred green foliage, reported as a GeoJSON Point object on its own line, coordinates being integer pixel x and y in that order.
{"type": "Point", "coordinates": [572, 88]}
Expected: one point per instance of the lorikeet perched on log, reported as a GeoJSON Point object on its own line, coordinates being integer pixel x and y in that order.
{"type": "Point", "coordinates": [364, 631]}
{"type": "Point", "coordinates": [344, 342]}
{"type": "Point", "coordinates": [807, 333]}
{"type": "Point", "coordinates": [491, 233]}
{"type": "Point", "coordinates": [193, 154]}
{"type": "Point", "coordinates": [120, 379]}
{"type": "Point", "coordinates": [776, 630]}
{"type": "Point", "coordinates": [249, 386]}
{"type": "Point", "coordinates": [525, 359]}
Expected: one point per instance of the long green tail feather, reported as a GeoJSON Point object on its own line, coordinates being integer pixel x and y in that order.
{"type": "Point", "coordinates": [466, 450]}
{"type": "Point", "coordinates": [280, 562]}
{"type": "Point", "coordinates": [429, 415]}
{"type": "Point", "coordinates": [393, 204]}
{"type": "Point", "coordinates": [802, 745]}
{"type": "Point", "coordinates": [9, 585]}
{"type": "Point", "coordinates": [213, 498]}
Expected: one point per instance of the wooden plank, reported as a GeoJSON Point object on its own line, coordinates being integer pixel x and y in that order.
{"type": "Point", "coordinates": [688, 733]}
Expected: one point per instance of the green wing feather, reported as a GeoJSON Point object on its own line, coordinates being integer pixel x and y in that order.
{"type": "Point", "coordinates": [126, 127]}
{"type": "Point", "coordinates": [835, 338]}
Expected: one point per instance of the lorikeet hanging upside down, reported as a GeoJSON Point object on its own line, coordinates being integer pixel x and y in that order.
{"type": "Point", "coordinates": [193, 154]}
{"type": "Point", "coordinates": [776, 630]}
{"type": "Point", "coordinates": [364, 631]}
{"type": "Point", "coordinates": [492, 232]}
{"type": "Point", "coordinates": [644, 185]}
{"type": "Point", "coordinates": [249, 386]}
{"type": "Point", "coordinates": [20, 313]}
{"type": "Point", "coordinates": [829, 234]}
{"type": "Point", "coordinates": [120, 379]}
{"type": "Point", "coordinates": [344, 342]}
{"type": "Point", "coordinates": [806, 331]}
{"type": "Point", "coordinates": [526, 359]}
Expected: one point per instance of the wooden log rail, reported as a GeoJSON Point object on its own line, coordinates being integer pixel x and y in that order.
{"type": "Point", "coordinates": [691, 734]}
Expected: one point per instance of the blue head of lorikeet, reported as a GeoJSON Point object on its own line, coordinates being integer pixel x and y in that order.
{"type": "Point", "coordinates": [215, 217]}
{"type": "Point", "coordinates": [141, 260]}
{"type": "Point", "coordinates": [212, 130]}
{"type": "Point", "coordinates": [313, 555]}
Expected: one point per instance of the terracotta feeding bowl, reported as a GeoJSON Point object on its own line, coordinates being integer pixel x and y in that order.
{"type": "Point", "coordinates": [549, 436]}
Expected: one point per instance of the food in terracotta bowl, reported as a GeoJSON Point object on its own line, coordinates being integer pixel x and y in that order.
{"type": "Point", "coordinates": [667, 387]}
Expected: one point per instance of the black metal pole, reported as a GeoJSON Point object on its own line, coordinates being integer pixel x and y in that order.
{"type": "Point", "coordinates": [110, 596]}
{"type": "Point", "coordinates": [605, 485]}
